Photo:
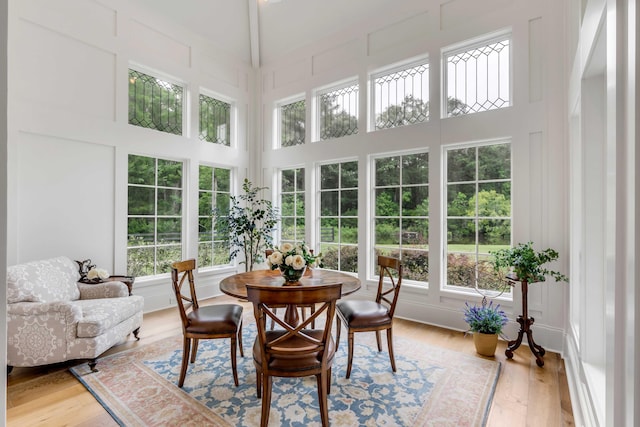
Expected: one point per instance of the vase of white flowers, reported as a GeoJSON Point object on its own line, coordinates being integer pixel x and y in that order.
{"type": "Point", "coordinates": [293, 260]}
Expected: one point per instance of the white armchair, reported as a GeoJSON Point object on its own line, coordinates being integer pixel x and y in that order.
{"type": "Point", "coordinates": [52, 318]}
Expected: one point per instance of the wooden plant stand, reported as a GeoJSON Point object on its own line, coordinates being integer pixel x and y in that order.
{"type": "Point", "coordinates": [525, 327]}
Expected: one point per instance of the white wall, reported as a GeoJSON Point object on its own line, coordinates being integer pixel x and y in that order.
{"type": "Point", "coordinates": [68, 133]}
{"type": "Point", "coordinates": [535, 124]}
{"type": "Point", "coordinates": [3, 203]}
{"type": "Point", "coordinates": [602, 356]}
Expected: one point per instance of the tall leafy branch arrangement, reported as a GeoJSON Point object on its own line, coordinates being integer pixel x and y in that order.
{"type": "Point", "coordinates": [248, 225]}
{"type": "Point", "coordinates": [527, 263]}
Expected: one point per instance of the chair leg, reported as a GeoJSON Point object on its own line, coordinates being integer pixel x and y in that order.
{"type": "Point", "coordinates": [275, 311]}
{"type": "Point", "coordinates": [338, 328]}
{"type": "Point", "coordinates": [258, 383]}
{"type": "Point", "coordinates": [329, 381]}
{"type": "Point", "coordinates": [322, 397]}
{"type": "Point", "coordinates": [313, 311]}
{"type": "Point", "coordinates": [266, 401]}
{"type": "Point", "coordinates": [186, 346]}
{"type": "Point", "coordinates": [194, 350]}
{"type": "Point", "coordinates": [378, 341]}
{"type": "Point", "coordinates": [350, 341]}
{"type": "Point", "coordinates": [240, 340]}
{"type": "Point", "coordinates": [234, 369]}
{"type": "Point", "coordinates": [390, 344]}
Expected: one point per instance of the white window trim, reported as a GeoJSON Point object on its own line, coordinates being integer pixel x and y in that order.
{"type": "Point", "coordinates": [233, 143]}
{"type": "Point", "coordinates": [470, 44]}
{"type": "Point", "coordinates": [322, 90]}
{"type": "Point", "coordinates": [389, 69]}
{"type": "Point", "coordinates": [444, 287]}
{"type": "Point", "coordinates": [372, 273]}
{"type": "Point", "coordinates": [186, 92]}
{"type": "Point", "coordinates": [277, 117]}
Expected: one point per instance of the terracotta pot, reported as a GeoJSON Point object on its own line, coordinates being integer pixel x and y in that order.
{"type": "Point", "coordinates": [485, 343]}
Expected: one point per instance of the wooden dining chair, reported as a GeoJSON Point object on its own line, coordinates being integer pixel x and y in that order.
{"type": "Point", "coordinates": [303, 313]}
{"type": "Point", "coordinates": [206, 322]}
{"type": "Point", "coordinates": [364, 315]}
{"type": "Point", "coordinates": [293, 351]}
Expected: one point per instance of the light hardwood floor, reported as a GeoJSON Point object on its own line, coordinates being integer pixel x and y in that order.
{"type": "Point", "coordinates": [526, 395]}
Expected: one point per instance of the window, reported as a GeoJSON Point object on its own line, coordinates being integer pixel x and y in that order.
{"type": "Point", "coordinates": [401, 97]}
{"type": "Point", "coordinates": [477, 78]}
{"type": "Point", "coordinates": [478, 212]}
{"type": "Point", "coordinates": [338, 112]}
{"type": "Point", "coordinates": [214, 191]}
{"type": "Point", "coordinates": [154, 221]}
{"type": "Point", "coordinates": [292, 123]}
{"type": "Point", "coordinates": [339, 215]}
{"type": "Point", "coordinates": [401, 212]}
{"type": "Point", "coordinates": [292, 205]}
{"type": "Point", "coordinates": [215, 120]}
{"type": "Point", "coordinates": [154, 103]}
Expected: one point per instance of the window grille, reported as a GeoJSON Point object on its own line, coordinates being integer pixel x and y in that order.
{"type": "Point", "coordinates": [401, 97]}
{"type": "Point", "coordinates": [154, 103]}
{"type": "Point", "coordinates": [478, 79]}
{"type": "Point", "coordinates": [154, 220]}
{"type": "Point", "coordinates": [401, 212]}
{"type": "Point", "coordinates": [214, 191]}
{"type": "Point", "coordinates": [292, 206]}
{"type": "Point", "coordinates": [215, 120]}
{"type": "Point", "coordinates": [293, 123]}
{"type": "Point", "coordinates": [478, 213]}
{"type": "Point", "coordinates": [339, 216]}
{"type": "Point", "coordinates": [338, 110]}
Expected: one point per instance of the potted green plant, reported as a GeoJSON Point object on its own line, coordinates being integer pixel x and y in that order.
{"type": "Point", "coordinates": [527, 264]}
{"type": "Point", "coordinates": [247, 227]}
{"type": "Point", "coordinates": [486, 323]}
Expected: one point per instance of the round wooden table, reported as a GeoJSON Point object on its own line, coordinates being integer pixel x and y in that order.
{"type": "Point", "coordinates": [236, 285]}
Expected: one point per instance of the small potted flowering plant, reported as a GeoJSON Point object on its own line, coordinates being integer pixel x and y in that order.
{"type": "Point", "coordinates": [486, 323]}
{"type": "Point", "coordinates": [293, 260]}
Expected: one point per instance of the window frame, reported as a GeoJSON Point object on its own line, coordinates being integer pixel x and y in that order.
{"type": "Point", "coordinates": [316, 114]}
{"type": "Point", "coordinates": [391, 69]}
{"type": "Point", "coordinates": [295, 192]}
{"type": "Point", "coordinates": [233, 116]}
{"type": "Point", "coordinates": [277, 125]}
{"type": "Point", "coordinates": [471, 44]}
{"type": "Point", "coordinates": [213, 236]}
{"type": "Point", "coordinates": [372, 270]}
{"type": "Point", "coordinates": [318, 209]}
{"type": "Point", "coordinates": [183, 213]}
{"type": "Point", "coordinates": [167, 78]}
{"type": "Point", "coordinates": [444, 286]}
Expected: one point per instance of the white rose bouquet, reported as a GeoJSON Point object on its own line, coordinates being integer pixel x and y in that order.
{"type": "Point", "coordinates": [292, 261]}
{"type": "Point", "coordinates": [97, 274]}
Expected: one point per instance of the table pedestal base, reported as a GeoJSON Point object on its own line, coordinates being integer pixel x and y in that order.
{"type": "Point", "coordinates": [525, 328]}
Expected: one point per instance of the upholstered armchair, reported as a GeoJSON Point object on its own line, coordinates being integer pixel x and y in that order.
{"type": "Point", "coordinates": [51, 317]}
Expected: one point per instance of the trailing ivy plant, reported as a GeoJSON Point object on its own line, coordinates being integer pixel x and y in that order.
{"type": "Point", "coordinates": [527, 263]}
{"type": "Point", "coordinates": [247, 227]}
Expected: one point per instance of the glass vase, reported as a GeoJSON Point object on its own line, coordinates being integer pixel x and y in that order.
{"type": "Point", "coordinates": [292, 275]}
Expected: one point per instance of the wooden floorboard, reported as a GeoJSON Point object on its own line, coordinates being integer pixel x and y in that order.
{"type": "Point", "coordinates": [525, 395]}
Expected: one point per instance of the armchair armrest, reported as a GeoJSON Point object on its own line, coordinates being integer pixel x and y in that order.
{"type": "Point", "coordinates": [70, 312]}
{"type": "Point", "coordinates": [103, 290]}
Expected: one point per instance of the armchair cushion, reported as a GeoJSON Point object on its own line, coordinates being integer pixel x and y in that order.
{"type": "Point", "coordinates": [43, 281]}
{"type": "Point", "coordinates": [98, 316]}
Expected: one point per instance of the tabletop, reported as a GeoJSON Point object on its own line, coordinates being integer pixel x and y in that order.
{"type": "Point", "coordinates": [236, 285]}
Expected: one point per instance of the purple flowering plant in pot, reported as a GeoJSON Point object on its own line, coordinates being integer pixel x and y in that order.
{"type": "Point", "coordinates": [486, 322]}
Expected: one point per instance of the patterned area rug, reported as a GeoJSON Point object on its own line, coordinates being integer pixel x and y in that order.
{"type": "Point", "coordinates": [432, 387]}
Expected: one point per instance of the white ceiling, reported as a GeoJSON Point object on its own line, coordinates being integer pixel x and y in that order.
{"type": "Point", "coordinates": [261, 30]}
